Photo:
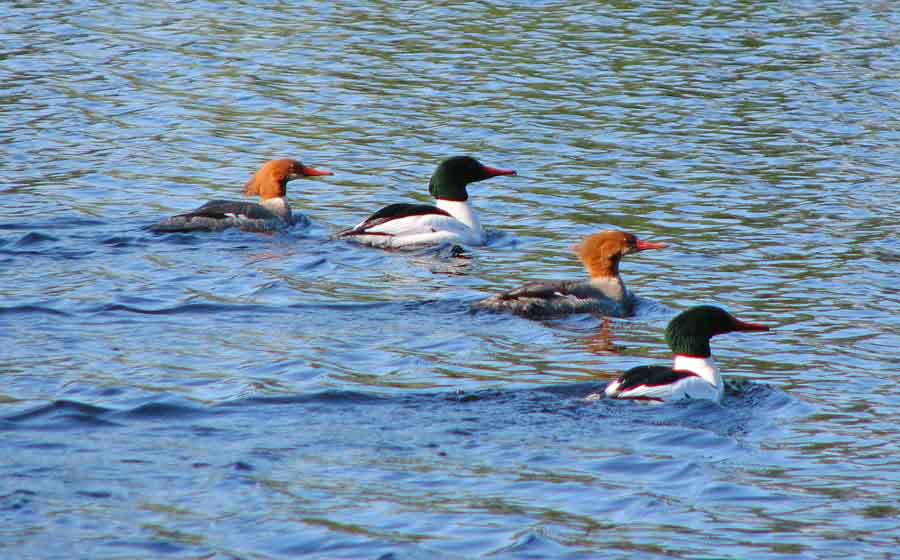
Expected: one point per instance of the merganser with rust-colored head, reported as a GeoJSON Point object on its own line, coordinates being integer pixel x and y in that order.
{"type": "Point", "coordinates": [450, 220]}
{"type": "Point", "coordinates": [694, 374]}
{"type": "Point", "coordinates": [271, 213]}
{"type": "Point", "coordinates": [605, 293]}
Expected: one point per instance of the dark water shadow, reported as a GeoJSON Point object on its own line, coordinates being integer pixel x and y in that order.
{"type": "Point", "coordinates": [555, 407]}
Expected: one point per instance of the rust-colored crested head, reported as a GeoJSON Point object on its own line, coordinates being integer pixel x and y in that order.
{"type": "Point", "coordinates": [271, 179]}
{"type": "Point", "coordinates": [600, 253]}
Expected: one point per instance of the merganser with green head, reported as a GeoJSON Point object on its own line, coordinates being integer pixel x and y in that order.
{"type": "Point", "coordinates": [451, 220]}
{"type": "Point", "coordinates": [694, 374]}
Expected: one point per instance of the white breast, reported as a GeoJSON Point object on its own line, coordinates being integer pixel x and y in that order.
{"type": "Point", "coordinates": [706, 368]}
{"type": "Point", "coordinates": [278, 206]}
{"type": "Point", "coordinates": [463, 212]}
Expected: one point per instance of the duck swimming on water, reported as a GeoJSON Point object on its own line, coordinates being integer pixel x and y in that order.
{"type": "Point", "coordinates": [271, 213]}
{"type": "Point", "coordinates": [604, 293]}
{"type": "Point", "coordinates": [450, 220]}
{"type": "Point", "coordinates": [693, 374]}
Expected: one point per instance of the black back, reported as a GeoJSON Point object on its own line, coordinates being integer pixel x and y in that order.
{"type": "Point", "coordinates": [540, 290]}
{"type": "Point", "coordinates": [393, 212]}
{"type": "Point", "coordinates": [404, 210]}
{"type": "Point", "coordinates": [219, 209]}
{"type": "Point", "coordinates": [651, 376]}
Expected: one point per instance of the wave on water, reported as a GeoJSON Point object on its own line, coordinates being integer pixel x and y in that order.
{"type": "Point", "coordinates": [187, 308]}
{"type": "Point", "coordinates": [38, 244]}
{"type": "Point", "coordinates": [33, 238]}
{"type": "Point", "coordinates": [66, 414]}
{"type": "Point", "coordinates": [498, 238]}
{"type": "Point", "coordinates": [745, 404]}
{"type": "Point", "coordinates": [30, 309]}
{"type": "Point", "coordinates": [122, 241]}
{"type": "Point", "coordinates": [59, 415]}
{"type": "Point", "coordinates": [55, 224]}
{"type": "Point", "coordinates": [243, 308]}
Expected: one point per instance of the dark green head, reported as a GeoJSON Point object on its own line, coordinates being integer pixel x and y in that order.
{"type": "Point", "coordinates": [453, 174]}
{"type": "Point", "coordinates": [689, 332]}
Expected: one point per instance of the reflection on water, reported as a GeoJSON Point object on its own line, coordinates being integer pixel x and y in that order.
{"type": "Point", "coordinates": [602, 342]}
{"type": "Point", "coordinates": [268, 396]}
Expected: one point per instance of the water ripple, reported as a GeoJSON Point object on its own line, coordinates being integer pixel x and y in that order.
{"type": "Point", "coordinates": [304, 396]}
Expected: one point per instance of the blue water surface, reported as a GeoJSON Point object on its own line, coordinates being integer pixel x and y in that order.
{"type": "Point", "coordinates": [240, 395]}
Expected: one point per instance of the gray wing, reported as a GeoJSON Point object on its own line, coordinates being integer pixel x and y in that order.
{"type": "Point", "coordinates": [221, 209]}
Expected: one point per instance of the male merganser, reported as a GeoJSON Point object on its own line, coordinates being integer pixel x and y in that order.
{"type": "Point", "coordinates": [604, 293]}
{"type": "Point", "coordinates": [451, 220]}
{"type": "Point", "coordinates": [271, 213]}
{"type": "Point", "coordinates": [694, 374]}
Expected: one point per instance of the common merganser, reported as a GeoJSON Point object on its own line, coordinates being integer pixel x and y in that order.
{"type": "Point", "coordinates": [450, 220]}
{"type": "Point", "coordinates": [694, 374]}
{"type": "Point", "coordinates": [271, 213]}
{"type": "Point", "coordinates": [604, 293]}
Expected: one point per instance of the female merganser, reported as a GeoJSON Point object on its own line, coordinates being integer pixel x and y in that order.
{"type": "Point", "coordinates": [694, 373]}
{"type": "Point", "coordinates": [451, 220]}
{"type": "Point", "coordinates": [604, 293]}
{"type": "Point", "coordinates": [271, 213]}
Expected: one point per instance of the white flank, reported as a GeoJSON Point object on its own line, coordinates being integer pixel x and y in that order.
{"type": "Point", "coordinates": [427, 229]}
{"type": "Point", "coordinates": [612, 390]}
{"type": "Point", "coordinates": [707, 386]}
